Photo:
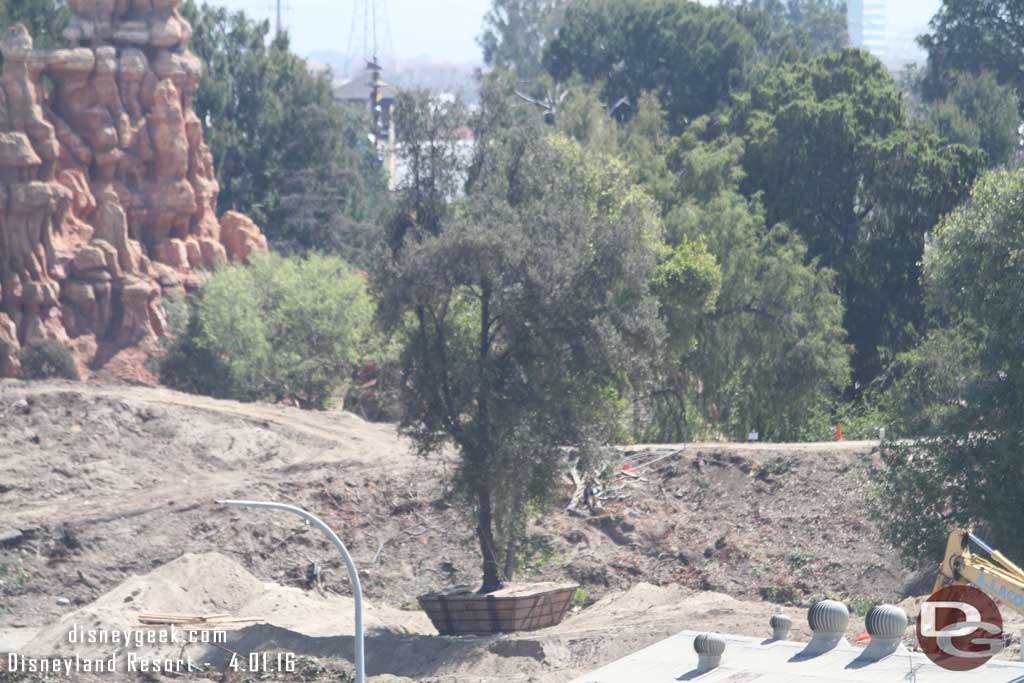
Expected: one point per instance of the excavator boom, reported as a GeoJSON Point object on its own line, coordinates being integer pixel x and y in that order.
{"type": "Point", "coordinates": [996, 575]}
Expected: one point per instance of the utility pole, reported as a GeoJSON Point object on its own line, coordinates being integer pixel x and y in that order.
{"type": "Point", "coordinates": [371, 16]}
{"type": "Point", "coordinates": [278, 17]}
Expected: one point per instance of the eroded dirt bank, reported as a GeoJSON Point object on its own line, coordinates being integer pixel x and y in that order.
{"type": "Point", "coordinates": [102, 484]}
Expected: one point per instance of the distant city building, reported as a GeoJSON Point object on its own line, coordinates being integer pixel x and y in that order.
{"type": "Point", "coordinates": [866, 24]}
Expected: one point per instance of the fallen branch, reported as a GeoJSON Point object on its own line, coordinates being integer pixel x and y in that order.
{"type": "Point", "coordinates": [378, 553]}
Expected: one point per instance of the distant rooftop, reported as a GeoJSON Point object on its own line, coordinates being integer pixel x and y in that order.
{"type": "Point", "coordinates": [358, 89]}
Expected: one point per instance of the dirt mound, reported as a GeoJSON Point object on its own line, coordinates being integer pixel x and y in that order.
{"type": "Point", "coordinates": [212, 584]}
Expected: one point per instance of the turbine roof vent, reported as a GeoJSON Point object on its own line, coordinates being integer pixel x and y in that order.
{"type": "Point", "coordinates": [709, 648]}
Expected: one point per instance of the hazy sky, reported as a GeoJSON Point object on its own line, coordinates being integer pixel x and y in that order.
{"type": "Point", "coordinates": [446, 30]}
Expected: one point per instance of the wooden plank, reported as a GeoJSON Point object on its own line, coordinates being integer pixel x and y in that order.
{"type": "Point", "coordinates": [507, 622]}
{"type": "Point", "coordinates": [509, 608]}
{"type": "Point", "coordinates": [483, 608]}
{"type": "Point", "coordinates": [11, 536]}
{"type": "Point", "coordinates": [514, 592]}
{"type": "Point", "coordinates": [463, 603]}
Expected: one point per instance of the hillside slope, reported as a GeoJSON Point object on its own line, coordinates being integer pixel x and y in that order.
{"type": "Point", "coordinates": [105, 483]}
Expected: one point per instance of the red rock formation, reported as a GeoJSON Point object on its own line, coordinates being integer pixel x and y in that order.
{"type": "Point", "coordinates": [107, 192]}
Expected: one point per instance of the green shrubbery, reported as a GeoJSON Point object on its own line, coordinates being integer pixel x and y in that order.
{"type": "Point", "coordinates": [917, 396]}
{"type": "Point", "coordinates": [280, 329]}
{"type": "Point", "coordinates": [48, 359]}
{"type": "Point", "coordinates": [964, 385]}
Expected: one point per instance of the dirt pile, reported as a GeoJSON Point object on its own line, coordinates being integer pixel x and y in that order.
{"type": "Point", "coordinates": [108, 190]}
{"type": "Point", "coordinates": [212, 584]}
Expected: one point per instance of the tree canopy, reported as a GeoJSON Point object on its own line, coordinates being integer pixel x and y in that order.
{"type": "Point", "coordinates": [317, 190]}
{"type": "Point", "coordinates": [966, 473]}
{"type": "Point", "coordinates": [755, 327]}
{"type": "Point", "coordinates": [516, 33]}
{"type": "Point", "coordinates": [830, 149]}
{"type": "Point", "coordinates": [794, 29]}
{"type": "Point", "coordinates": [281, 329]}
{"type": "Point", "coordinates": [978, 112]}
{"type": "Point", "coordinates": [773, 350]}
{"type": "Point", "coordinates": [971, 37]}
{"type": "Point", "coordinates": [691, 55]}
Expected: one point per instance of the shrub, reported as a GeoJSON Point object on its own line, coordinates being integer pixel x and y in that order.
{"type": "Point", "coordinates": [188, 366]}
{"type": "Point", "coordinates": [48, 359]}
{"type": "Point", "coordinates": [967, 383]}
{"type": "Point", "coordinates": [280, 329]}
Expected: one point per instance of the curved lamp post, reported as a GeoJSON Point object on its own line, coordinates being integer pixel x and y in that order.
{"type": "Point", "coordinates": [353, 575]}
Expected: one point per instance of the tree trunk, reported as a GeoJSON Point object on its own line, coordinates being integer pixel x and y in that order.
{"type": "Point", "coordinates": [511, 548]}
{"type": "Point", "coordinates": [485, 511]}
{"type": "Point", "coordinates": [485, 533]}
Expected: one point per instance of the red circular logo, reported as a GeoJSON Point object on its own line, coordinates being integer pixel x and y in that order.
{"type": "Point", "coordinates": [960, 628]}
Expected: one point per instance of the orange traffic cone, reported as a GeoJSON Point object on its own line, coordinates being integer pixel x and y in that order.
{"type": "Point", "coordinates": [839, 431]}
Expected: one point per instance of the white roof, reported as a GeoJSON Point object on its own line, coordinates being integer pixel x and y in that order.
{"type": "Point", "coordinates": [747, 660]}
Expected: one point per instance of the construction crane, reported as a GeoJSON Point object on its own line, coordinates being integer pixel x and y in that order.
{"type": "Point", "coordinates": [993, 573]}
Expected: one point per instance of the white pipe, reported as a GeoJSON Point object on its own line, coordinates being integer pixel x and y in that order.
{"type": "Point", "coordinates": [357, 591]}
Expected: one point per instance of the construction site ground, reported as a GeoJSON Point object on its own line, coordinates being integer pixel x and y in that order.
{"type": "Point", "coordinates": [107, 510]}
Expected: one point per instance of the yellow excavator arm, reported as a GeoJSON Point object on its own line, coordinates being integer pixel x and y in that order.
{"type": "Point", "coordinates": [995, 574]}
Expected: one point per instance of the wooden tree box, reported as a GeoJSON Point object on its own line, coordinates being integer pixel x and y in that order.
{"type": "Point", "coordinates": [461, 611]}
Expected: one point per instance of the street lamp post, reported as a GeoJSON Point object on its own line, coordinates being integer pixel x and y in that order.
{"type": "Point", "coordinates": [353, 575]}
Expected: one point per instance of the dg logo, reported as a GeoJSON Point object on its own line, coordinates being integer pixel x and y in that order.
{"type": "Point", "coordinates": [960, 628]}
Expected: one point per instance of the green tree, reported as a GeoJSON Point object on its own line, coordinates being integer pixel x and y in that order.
{"type": "Point", "coordinates": [794, 29]}
{"type": "Point", "coordinates": [522, 316]}
{"type": "Point", "coordinates": [971, 37]}
{"type": "Point", "coordinates": [924, 388]}
{"type": "Point", "coordinates": [280, 329]}
{"type": "Point", "coordinates": [516, 32]}
{"type": "Point", "coordinates": [692, 56]}
{"type": "Point", "coordinates": [974, 272]}
{"type": "Point", "coordinates": [969, 475]}
{"type": "Point", "coordinates": [431, 133]}
{"type": "Point", "coordinates": [832, 153]}
{"type": "Point", "coordinates": [823, 20]}
{"type": "Point", "coordinates": [315, 190]}
{"type": "Point", "coordinates": [755, 327]}
{"type": "Point", "coordinates": [186, 364]}
{"type": "Point", "coordinates": [978, 112]}
{"type": "Point", "coordinates": [773, 349]}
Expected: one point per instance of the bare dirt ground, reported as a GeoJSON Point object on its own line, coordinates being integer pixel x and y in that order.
{"type": "Point", "coordinates": [101, 484]}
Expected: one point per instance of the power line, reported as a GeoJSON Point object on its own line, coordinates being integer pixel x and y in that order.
{"type": "Point", "coordinates": [377, 43]}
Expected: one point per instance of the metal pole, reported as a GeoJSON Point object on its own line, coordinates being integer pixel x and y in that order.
{"type": "Point", "coordinates": [353, 575]}
{"type": "Point", "coordinates": [981, 544]}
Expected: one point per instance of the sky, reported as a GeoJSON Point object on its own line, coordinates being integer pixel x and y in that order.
{"type": "Point", "coordinates": [438, 30]}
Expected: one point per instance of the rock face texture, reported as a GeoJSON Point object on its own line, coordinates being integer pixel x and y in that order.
{"type": "Point", "coordinates": [108, 198]}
